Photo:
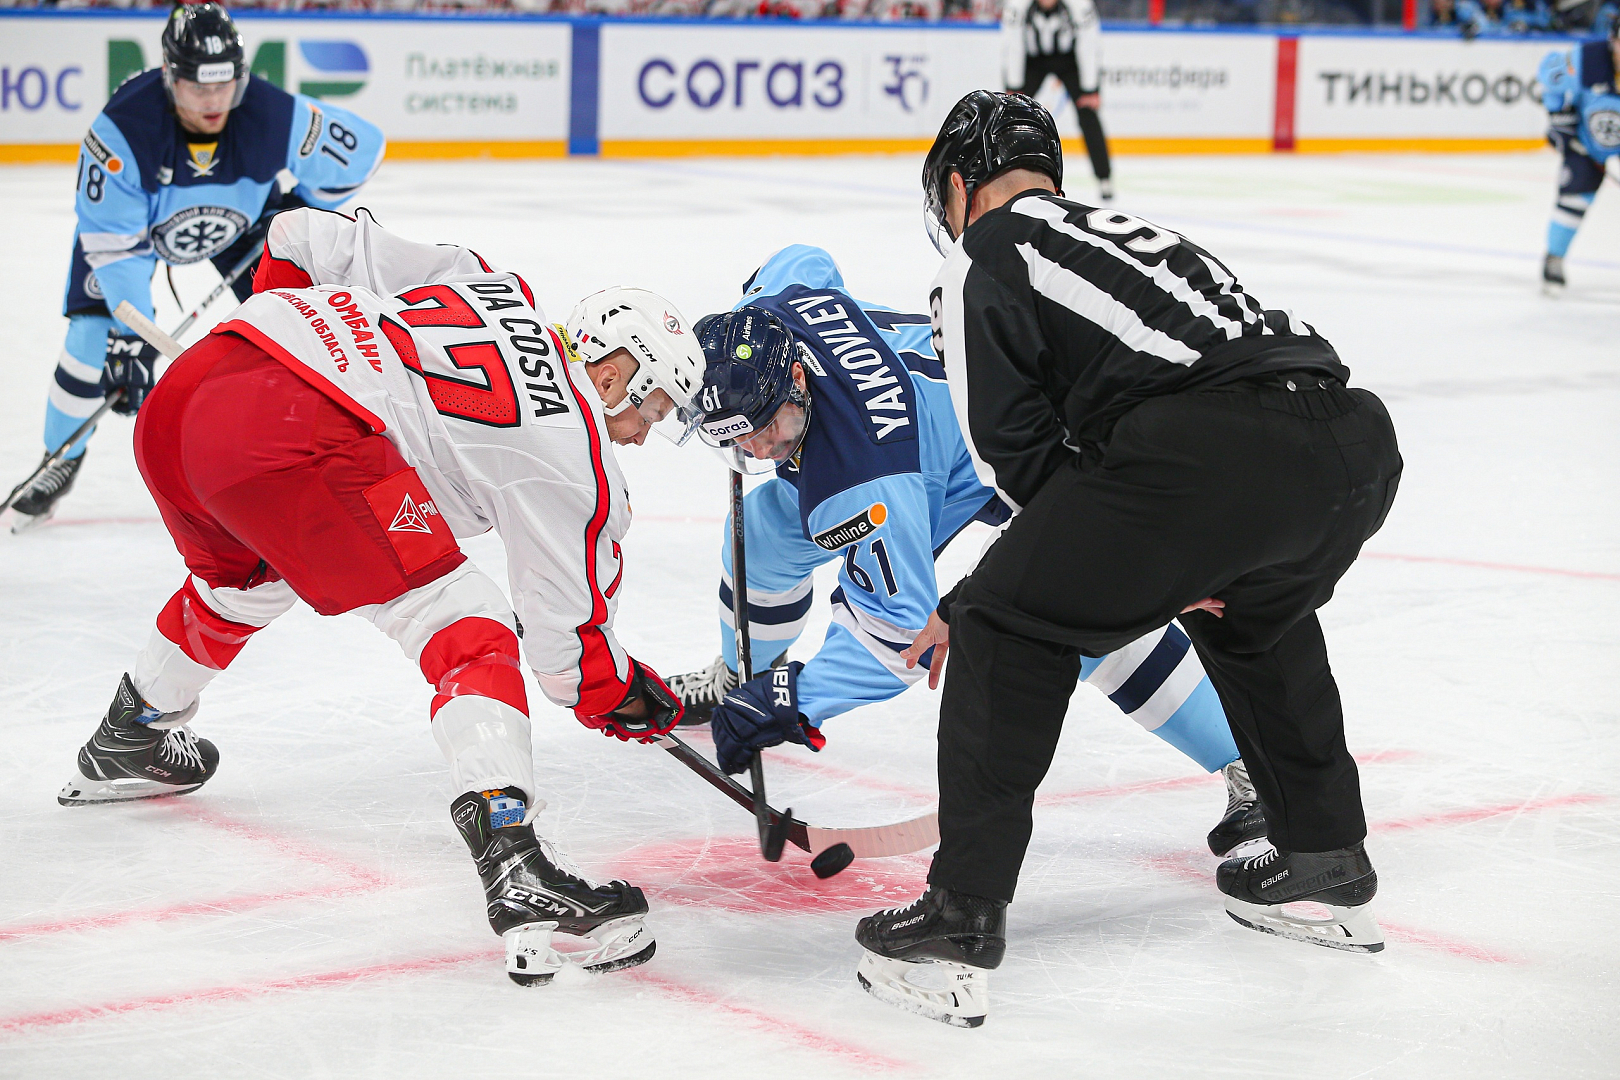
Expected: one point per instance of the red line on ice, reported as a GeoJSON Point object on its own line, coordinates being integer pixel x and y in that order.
{"type": "Point", "coordinates": [208, 995]}
{"type": "Point", "coordinates": [772, 1024]}
{"type": "Point", "coordinates": [283, 844]}
{"type": "Point", "coordinates": [1378, 757]}
{"type": "Point", "coordinates": [1590, 575]}
{"type": "Point", "coordinates": [225, 905]}
{"type": "Point", "coordinates": [1413, 936]}
{"type": "Point", "coordinates": [1469, 814]}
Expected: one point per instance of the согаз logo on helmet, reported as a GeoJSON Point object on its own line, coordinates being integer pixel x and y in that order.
{"type": "Point", "coordinates": [197, 232]}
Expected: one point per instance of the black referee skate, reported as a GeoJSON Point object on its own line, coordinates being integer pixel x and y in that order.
{"type": "Point", "coordinates": [949, 936]}
{"type": "Point", "coordinates": [1321, 897]}
{"type": "Point", "coordinates": [530, 897]}
{"type": "Point", "coordinates": [38, 500]}
{"type": "Point", "coordinates": [1244, 820]}
{"type": "Point", "coordinates": [701, 691]}
{"type": "Point", "coordinates": [140, 753]}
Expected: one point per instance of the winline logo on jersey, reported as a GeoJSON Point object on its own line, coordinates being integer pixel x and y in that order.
{"type": "Point", "coordinates": [856, 528]}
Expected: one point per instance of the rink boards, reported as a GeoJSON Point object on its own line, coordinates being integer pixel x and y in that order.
{"type": "Point", "coordinates": [470, 86]}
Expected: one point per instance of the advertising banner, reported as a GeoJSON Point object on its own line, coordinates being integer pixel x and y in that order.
{"type": "Point", "coordinates": [425, 81]}
{"type": "Point", "coordinates": [1419, 93]}
{"type": "Point", "coordinates": [1181, 91]}
{"type": "Point", "coordinates": [707, 86]}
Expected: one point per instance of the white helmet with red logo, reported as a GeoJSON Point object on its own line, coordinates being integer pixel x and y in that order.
{"type": "Point", "coordinates": [649, 328]}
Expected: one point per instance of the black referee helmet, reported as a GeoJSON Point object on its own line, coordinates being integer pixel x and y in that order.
{"type": "Point", "coordinates": [986, 134]}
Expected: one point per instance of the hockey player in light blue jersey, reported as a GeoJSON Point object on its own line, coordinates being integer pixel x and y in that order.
{"type": "Point", "coordinates": [848, 404]}
{"type": "Point", "coordinates": [185, 163]}
{"type": "Point", "coordinates": [1583, 124]}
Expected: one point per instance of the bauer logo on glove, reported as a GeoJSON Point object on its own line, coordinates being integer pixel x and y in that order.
{"type": "Point", "coordinates": [759, 713]}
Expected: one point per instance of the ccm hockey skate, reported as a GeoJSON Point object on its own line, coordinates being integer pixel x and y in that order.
{"type": "Point", "coordinates": [36, 501]}
{"type": "Point", "coordinates": [1321, 897]}
{"type": "Point", "coordinates": [932, 956]}
{"type": "Point", "coordinates": [1244, 819]}
{"type": "Point", "coordinates": [701, 691]}
{"type": "Point", "coordinates": [140, 753]}
{"type": "Point", "coordinates": [532, 898]}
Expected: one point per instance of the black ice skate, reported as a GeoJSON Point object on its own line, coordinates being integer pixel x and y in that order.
{"type": "Point", "coordinates": [1552, 275]}
{"type": "Point", "coordinates": [950, 935]}
{"type": "Point", "coordinates": [530, 897]}
{"type": "Point", "coordinates": [1244, 819]}
{"type": "Point", "coordinates": [701, 691]}
{"type": "Point", "coordinates": [37, 501]}
{"type": "Point", "coordinates": [140, 753]}
{"type": "Point", "coordinates": [1321, 897]}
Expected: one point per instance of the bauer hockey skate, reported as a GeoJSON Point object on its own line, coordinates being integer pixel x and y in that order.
{"type": "Point", "coordinates": [532, 899]}
{"type": "Point", "coordinates": [1244, 820]}
{"type": "Point", "coordinates": [1321, 897]}
{"type": "Point", "coordinates": [139, 752]}
{"type": "Point", "coordinates": [37, 501]}
{"type": "Point", "coordinates": [701, 691]}
{"type": "Point", "coordinates": [932, 956]}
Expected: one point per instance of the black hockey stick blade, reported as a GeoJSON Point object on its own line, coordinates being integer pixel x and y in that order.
{"type": "Point", "coordinates": [774, 836]}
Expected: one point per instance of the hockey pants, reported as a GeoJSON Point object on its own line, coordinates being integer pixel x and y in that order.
{"type": "Point", "coordinates": [272, 492]}
{"type": "Point", "coordinates": [1258, 497]}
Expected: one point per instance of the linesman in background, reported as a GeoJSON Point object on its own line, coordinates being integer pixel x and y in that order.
{"type": "Point", "coordinates": [1170, 447]}
{"type": "Point", "coordinates": [1042, 38]}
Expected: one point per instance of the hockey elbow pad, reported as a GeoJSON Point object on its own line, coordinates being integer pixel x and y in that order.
{"type": "Point", "coordinates": [661, 709]}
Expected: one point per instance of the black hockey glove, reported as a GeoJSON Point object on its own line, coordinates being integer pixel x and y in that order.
{"type": "Point", "coordinates": [759, 713]}
{"type": "Point", "coordinates": [131, 366]}
{"type": "Point", "coordinates": [649, 708]}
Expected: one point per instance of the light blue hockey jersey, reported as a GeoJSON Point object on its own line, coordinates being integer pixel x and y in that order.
{"type": "Point", "coordinates": [882, 483]}
{"type": "Point", "coordinates": [145, 193]}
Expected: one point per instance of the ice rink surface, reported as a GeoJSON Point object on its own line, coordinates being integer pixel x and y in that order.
{"type": "Point", "coordinates": [311, 912]}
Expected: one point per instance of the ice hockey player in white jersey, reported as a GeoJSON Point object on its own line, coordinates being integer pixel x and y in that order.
{"type": "Point", "coordinates": [373, 401]}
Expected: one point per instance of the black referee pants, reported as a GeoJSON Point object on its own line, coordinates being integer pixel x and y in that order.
{"type": "Point", "coordinates": [1067, 69]}
{"type": "Point", "coordinates": [1258, 497]}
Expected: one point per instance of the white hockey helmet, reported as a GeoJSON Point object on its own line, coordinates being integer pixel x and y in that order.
{"type": "Point", "coordinates": [649, 328]}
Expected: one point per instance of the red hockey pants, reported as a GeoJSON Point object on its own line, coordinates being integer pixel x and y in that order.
{"type": "Point", "coordinates": [260, 477]}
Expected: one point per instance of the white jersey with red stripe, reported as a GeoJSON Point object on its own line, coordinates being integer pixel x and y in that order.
{"type": "Point", "coordinates": [453, 362]}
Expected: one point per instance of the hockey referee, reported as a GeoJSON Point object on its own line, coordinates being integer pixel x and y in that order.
{"type": "Point", "coordinates": [1171, 448]}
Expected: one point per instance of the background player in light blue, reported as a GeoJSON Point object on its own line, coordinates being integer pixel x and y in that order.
{"type": "Point", "coordinates": [848, 404]}
{"type": "Point", "coordinates": [185, 163]}
{"type": "Point", "coordinates": [1583, 118]}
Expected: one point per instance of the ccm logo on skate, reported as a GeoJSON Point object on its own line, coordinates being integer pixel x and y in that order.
{"type": "Point", "coordinates": [856, 528]}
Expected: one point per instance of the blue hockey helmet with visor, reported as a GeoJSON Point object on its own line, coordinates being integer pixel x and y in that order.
{"type": "Point", "coordinates": [986, 134]}
{"type": "Point", "coordinates": [753, 410]}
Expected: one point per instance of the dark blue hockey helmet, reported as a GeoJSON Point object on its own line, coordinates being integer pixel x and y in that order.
{"type": "Point", "coordinates": [201, 45]}
{"type": "Point", "coordinates": [747, 379]}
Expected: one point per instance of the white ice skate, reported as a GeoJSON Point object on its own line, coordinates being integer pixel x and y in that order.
{"type": "Point", "coordinates": [951, 993]}
{"type": "Point", "coordinates": [1352, 929]}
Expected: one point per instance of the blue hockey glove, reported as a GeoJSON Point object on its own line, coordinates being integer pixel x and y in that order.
{"type": "Point", "coordinates": [130, 366]}
{"type": "Point", "coordinates": [759, 713]}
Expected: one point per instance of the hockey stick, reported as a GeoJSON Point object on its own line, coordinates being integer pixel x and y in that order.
{"type": "Point", "coordinates": [772, 832]}
{"type": "Point", "coordinates": [118, 395]}
{"type": "Point", "coordinates": [871, 842]}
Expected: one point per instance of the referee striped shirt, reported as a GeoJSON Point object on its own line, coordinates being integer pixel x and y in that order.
{"type": "Point", "coordinates": [1053, 319]}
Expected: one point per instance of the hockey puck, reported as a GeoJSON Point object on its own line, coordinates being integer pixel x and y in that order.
{"type": "Point", "coordinates": [832, 860]}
